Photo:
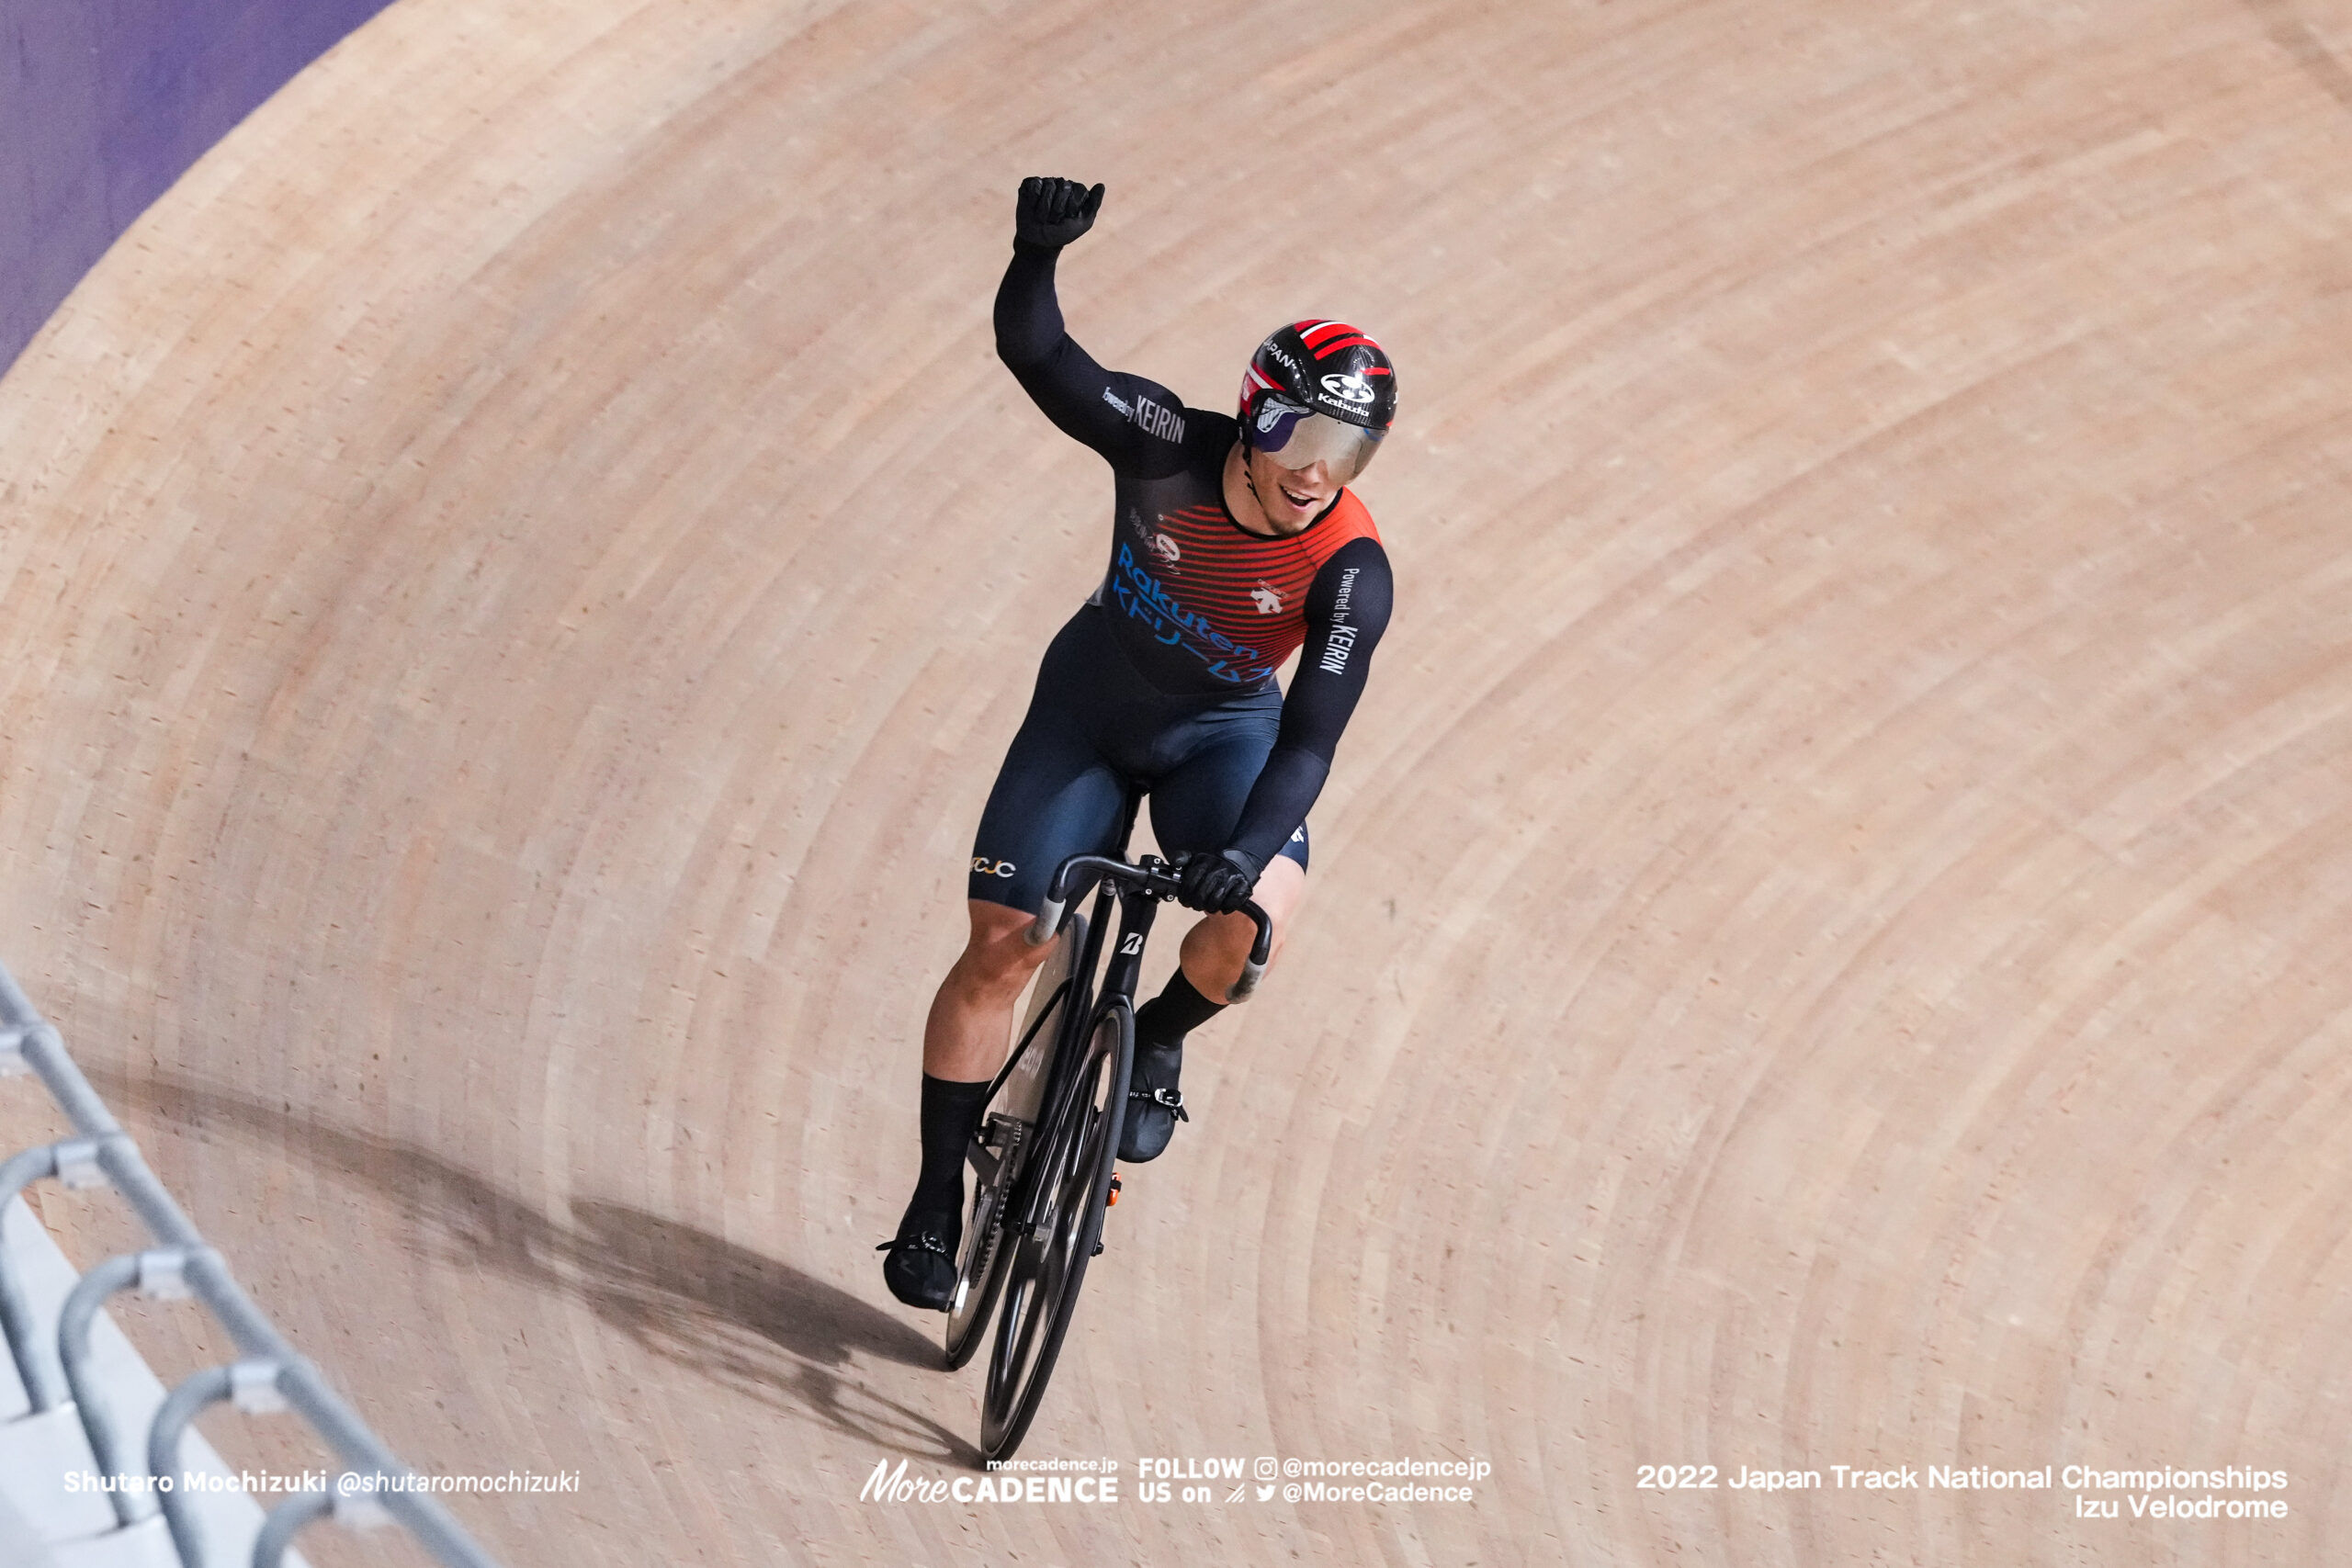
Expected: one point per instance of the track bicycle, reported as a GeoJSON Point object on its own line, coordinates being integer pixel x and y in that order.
{"type": "Point", "coordinates": [1048, 1139]}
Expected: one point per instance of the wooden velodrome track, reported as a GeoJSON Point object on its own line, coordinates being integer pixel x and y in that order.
{"type": "Point", "coordinates": [1830, 929]}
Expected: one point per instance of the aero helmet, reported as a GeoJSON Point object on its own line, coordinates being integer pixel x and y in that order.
{"type": "Point", "coordinates": [1319, 391]}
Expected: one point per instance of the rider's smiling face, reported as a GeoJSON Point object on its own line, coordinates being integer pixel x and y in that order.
{"type": "Point", "coordinates": [1291, 498]}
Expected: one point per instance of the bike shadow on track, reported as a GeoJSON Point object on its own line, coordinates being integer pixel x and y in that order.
{"type": "Point", "coordinates": [755, 1324]}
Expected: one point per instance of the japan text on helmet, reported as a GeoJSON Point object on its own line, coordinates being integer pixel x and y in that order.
{"type": "Point", "coordinates": [1319, 391]}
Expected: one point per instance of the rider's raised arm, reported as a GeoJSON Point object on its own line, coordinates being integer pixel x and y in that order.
{"type": "Point", "coordinates": [1347, 609]}
{"type": "Point", "coordinates": [1125, 418]}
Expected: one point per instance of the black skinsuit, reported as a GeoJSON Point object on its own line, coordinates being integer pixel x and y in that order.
{"type": "Point", "coordinates": [1163, 682]}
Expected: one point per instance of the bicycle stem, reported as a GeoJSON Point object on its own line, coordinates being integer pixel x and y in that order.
{"type": "Point", "coordinates": [1154, 882]}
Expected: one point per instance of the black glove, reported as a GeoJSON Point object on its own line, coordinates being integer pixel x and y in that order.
{"type": "Point", "coordinates": [1050, 213]}
{"type": "Point", "coordinates": [1217, 884]}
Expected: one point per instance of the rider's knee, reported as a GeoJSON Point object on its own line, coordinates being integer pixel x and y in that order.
{"type": "Point", "coordinates": [999, 957]}
{"type": "Point", "coordinates": [1008, 966]}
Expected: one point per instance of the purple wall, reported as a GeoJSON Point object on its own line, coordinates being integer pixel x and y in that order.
{"type": "Point", "coordinates": [103, 103]}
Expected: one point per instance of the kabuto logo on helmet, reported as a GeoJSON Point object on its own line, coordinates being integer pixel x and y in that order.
{"type": "Point", "coordinates": [1350, 388]}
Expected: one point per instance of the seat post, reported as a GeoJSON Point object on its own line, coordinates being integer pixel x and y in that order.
{"type": "Point", "coordinates": [1127, 823]}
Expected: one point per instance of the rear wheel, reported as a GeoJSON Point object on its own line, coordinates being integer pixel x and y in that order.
{"type": "Point", "coordinates": [1045, 1269]}
{"type": "Point", "coordinates": [1003, 1146]}
{"type": "Point", "coordinates": [980, 1268]}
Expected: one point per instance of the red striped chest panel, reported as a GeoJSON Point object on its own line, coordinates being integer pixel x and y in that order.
{"type": "Point", "coordinates": [1202, 603]}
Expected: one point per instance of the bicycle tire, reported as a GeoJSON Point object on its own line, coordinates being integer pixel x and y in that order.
{"type": "Point", "coordinates": [1045, 1269]}
{"type": "Point", "coordinates": [980, 1273]}
{"type": "Point", "coordinates": [979, 1263]}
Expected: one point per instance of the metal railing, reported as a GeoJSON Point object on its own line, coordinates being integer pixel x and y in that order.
{"type": "Point", "coordinates": [269, 1376]}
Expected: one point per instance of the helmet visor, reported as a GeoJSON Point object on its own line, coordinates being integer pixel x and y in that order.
{"type": "Point", "coordinates": [1298, 437]}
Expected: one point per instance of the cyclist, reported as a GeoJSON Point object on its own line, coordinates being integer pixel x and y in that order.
{"type": "Point", "coordinates": [1234, 542]}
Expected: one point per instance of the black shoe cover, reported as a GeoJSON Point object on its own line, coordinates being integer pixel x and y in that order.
{"type": "Point", "coordinates": [921, 1268]}
{"type": "Point", "coordinates": [1153, 1105]}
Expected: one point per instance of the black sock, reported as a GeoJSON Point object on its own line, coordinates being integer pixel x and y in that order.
{"type": "Point", "coordinates": [951, 1113]}
{"type": "Point", "coordinates": [1179, 1009]}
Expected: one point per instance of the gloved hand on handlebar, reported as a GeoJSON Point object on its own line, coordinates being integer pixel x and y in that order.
{"type": "Point", "coordinates": [1217, 884]}
{"type": "Point", "coordinates": [1049, 213]}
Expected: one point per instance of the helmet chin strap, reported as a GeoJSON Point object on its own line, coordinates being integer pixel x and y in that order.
{"type": "Point", "coordinates": [1251, 479]}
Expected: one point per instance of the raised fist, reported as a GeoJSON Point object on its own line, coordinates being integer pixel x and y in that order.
{"type": "Point", "coordinates": [1049, 213]}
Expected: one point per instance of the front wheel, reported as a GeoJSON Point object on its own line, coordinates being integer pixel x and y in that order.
{"type": "Point", "coordinates": [1042, 1276]}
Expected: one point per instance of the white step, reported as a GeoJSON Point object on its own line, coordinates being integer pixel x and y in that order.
{"type": "Point", "coordinates": [77, 1530]}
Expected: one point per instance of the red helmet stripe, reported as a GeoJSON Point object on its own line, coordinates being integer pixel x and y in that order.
{"type": "Point", "coordinates": [1327, 338]}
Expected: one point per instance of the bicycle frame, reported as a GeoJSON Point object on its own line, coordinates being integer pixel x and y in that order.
{"type": "Point", "coordinates": [1081, 1015]}
{"type": "Point", "coordinates": [1047, 1205]}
